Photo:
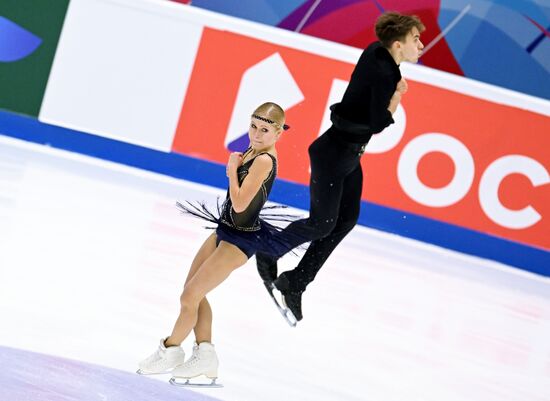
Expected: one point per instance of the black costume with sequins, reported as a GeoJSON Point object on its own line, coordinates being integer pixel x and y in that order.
{"type": "Point", "coordinates": [248, 230]}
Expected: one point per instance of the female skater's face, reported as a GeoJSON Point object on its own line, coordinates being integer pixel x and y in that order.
{"type": "Point", "coordinates": [262, 135]}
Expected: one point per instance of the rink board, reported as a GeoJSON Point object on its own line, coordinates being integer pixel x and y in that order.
{"type": "Point", "coordinates": [372, 215]}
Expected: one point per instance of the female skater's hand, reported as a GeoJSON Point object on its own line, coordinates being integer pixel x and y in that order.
{"type": "Point", "coordinates": [235, 160]}
{"type": "Point", "coordinates": [402, 86]}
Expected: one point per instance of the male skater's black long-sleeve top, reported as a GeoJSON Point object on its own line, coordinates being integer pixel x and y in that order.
{"type": "Point", "coordinates": [363, 110]}
{"type": "Point", "coordinates": [336, 174]}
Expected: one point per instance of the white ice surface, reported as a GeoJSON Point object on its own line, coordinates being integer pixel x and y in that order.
{"type": "Point", "coordinates": [93, 256]}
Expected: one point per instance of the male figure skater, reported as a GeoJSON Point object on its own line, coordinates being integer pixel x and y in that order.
{"type": "Point", "coordinates": [336, 182]}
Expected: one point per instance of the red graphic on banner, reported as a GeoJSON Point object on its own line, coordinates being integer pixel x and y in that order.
{"type": "Point", "coordinates": [222, 59]}
{"type": "Point", "coordinates": [489, 131]}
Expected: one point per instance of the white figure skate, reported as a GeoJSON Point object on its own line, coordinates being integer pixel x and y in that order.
{"type": "Point", "coordinates": [163, 360]}
{"type": "Point", "coordinates": [203, 362]}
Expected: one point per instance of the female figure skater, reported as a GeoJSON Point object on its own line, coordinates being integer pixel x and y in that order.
{"type": "Point", "coordinates": [239, 234]}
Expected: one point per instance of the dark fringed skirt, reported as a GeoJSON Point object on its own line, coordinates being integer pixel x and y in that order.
{"type": "Point", "coordinates": [267, 238]}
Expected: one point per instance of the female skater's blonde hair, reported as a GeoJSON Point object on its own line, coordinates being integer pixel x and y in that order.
{"type": "Point", "coordinates": [271, 113]}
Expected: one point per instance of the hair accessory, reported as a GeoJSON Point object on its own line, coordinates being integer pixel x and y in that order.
{"type": "Point", "coordinates": [267, 120]}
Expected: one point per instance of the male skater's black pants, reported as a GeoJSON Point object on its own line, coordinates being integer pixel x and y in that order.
{"type": "Point", "coordinates": [335, 198]}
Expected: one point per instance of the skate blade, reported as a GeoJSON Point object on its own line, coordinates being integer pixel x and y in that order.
{"type": "Point", "coordinates": [182, 382]}
{"type": "Point", "coordinates": [285, 312]}
{"type": "Point", "coordinates": [141, 372]}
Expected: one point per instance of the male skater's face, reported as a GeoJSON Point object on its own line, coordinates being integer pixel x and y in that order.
{"type": "Point", "coordinates": [412, 47]}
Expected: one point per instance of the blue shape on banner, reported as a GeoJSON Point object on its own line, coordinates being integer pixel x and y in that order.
{"type": "Point", "coordinates": [16, 42]}
{"type": "Point", "coordinates": [240, 144]}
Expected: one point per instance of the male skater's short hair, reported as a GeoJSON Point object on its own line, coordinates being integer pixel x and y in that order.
{"type": "Point", "coordinates": [392, 26]}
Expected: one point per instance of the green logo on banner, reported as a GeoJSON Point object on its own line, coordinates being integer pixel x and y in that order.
{"type": "Point", "coordinates": [29, 32]}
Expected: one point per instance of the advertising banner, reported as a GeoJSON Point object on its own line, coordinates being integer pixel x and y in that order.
{"type": "Point", "coordinates": [29, 32]}
{"type": "Point", "coordinates": [450, 157]}
{"type": "Point", "coordinates": [121, 71]}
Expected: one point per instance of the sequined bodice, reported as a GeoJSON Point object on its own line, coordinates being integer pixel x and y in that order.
{"type": "Point", "coordinates": [247, 220]}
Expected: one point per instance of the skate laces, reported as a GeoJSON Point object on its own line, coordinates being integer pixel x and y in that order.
{"type": "Point", "coordinates": [196, 357]}
{"type": "Point", "coordinates": [158, 354]}
{"type": "Point", "coordinates": [193, 360]}
{"type": "Point", "coordinates": [154, 359]}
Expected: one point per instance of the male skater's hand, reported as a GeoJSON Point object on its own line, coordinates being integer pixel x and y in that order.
{"type": "Point", "coordinates": [402, 86]}
{"type": "Point", "coordinates": [400, 90]}
{"type": "Point", "coordinates": [235, 160]}
{"type": "Point", "coordinates": [394, 101]}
